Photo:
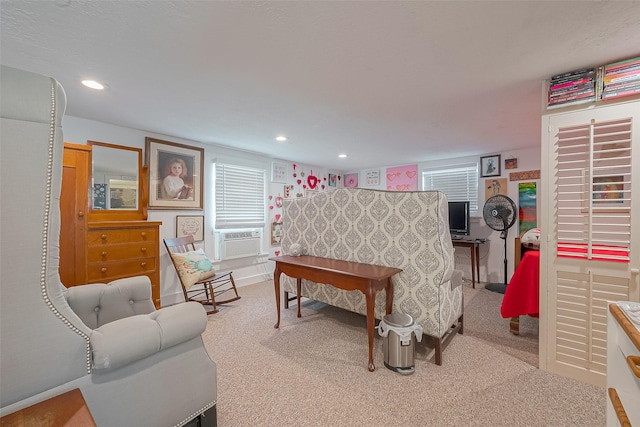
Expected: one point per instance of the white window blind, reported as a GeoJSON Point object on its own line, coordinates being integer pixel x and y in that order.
{"type": "Point", "coordinates": [458, 182]}
{"type": "Point", "coordinates": [240, 196]}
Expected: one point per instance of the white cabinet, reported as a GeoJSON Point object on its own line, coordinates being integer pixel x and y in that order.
{"type": "Point", "coordinates": [623, 370]}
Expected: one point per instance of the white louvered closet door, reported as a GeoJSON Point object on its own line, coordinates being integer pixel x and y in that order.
{"type": "Point", "coordinates": [591, 233]}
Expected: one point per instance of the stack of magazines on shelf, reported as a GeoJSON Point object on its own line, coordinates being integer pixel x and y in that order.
{"type": "Point", "coordinates": [576, 87]}
{"type": "Point", "coordinates": [621, 79]}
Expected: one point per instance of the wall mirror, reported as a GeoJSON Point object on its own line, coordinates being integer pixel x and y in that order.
{"type": "Point", "coordinates": [117, 186]}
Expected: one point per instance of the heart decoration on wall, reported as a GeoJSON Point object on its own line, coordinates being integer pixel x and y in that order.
{"type": "Point", "coordinates": [312, 180]}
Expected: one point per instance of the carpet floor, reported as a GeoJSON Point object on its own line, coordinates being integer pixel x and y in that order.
{"type": "Point", "coordinates": [312, 371]}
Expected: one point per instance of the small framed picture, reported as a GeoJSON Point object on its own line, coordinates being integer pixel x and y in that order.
{"type": "Point", "coordinates": [190, 225]}
{"type": "Point", "coordinates": [279, 172]}
{"type": "Point", "coordinates": [490, 166]}
{"type": "Point", "coordinates": [372, 177]}
{"type": "Point", "coordinates": [511, 163]}
{"type": "Point", "coordinates": [351, 180]}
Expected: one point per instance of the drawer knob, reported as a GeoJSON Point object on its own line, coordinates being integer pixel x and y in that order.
{"type": "Point", "coordinates": [143, 249]}
{"type": "Point", "coordinates": [104, 254]}
{"type": "Point", "coordinates": [103, 236]}
{"type": "Point", "coordinates": [143, 264]}
{"type": "Point", "coordinates": [103, 269]}
{"type": "Point", "coordinates": [143, 233]}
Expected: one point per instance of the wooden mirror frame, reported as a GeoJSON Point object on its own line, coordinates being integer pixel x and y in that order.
{"type": "Point", "coordinates": [139, 214]}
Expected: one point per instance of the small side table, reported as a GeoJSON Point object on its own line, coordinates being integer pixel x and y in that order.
{"type": "Point", "coordinates": [65, 410]}
{"type": "Point", "coordinates": [474, 247]}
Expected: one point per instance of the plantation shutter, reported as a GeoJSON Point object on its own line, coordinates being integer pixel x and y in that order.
{"type": "Point", "coordinates": [594, 190]}
{"type": "Point", "coordinates": [240, 196]}
{"type": "Point", "coordinates": [459, 183]}
{"type": "Point", "coordinates": [589, 256]}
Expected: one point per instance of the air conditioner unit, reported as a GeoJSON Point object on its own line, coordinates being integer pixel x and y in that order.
{"type": "Point", "coordinates": [240, 244]}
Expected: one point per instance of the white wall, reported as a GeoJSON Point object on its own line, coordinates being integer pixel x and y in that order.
{"type": "Point", "coordinates": [492, 252]}
{"type": "Point", "coordinates": [245, 270]}
{"type": "Point", "coordinates": [257, 269]}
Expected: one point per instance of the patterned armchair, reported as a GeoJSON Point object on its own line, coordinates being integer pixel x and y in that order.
{"type": "Point", "coordinates": [407, 230]}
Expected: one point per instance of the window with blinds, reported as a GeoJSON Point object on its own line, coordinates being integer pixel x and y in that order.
{"type": "Point", "coordinates": [240, 196]}
{"type": "Point", "coordinates": [593, 177]}
{"type": "Point", "coordinates": [458, 182]}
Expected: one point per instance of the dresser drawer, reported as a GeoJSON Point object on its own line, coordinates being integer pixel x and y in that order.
{"type": "Point", "coordinates": [98, 237]}
{"type": "Point", "coordinates": [107, 271]}
{"type": "Point", "coordinates": [106, 253]}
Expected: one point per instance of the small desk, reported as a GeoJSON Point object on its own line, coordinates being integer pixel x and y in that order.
{"type": "Point", "coordinates": [366, 278]}
{"type": "Point", "coordinates": [474, 247]}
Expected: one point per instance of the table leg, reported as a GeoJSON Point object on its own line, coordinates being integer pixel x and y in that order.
{"type": "Point", "coordinates": [389, 291]}
{"type": "Point", "coordinates": [276, 285]}
{"type": "Point", "coordinates": [299, 290]}
{"type": "Point", "coordinates": [371, 302]}
{"type": "Point", "coordinates": [477, 246]}
{"type": "Point", "coordinates": [473, 266]}
{"type": "Point", "coordinates": [514, 325]}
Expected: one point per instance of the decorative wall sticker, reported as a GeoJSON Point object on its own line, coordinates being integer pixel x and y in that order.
{"type": "Point", "coordinates": [402, 178]}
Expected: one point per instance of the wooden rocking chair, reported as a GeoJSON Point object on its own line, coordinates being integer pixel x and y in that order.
{"type": "Point", "coordinates": [204, 291]}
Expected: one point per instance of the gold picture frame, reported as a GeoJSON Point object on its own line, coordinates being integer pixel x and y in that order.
{"type": "Point", "coordinates": [176, 175]}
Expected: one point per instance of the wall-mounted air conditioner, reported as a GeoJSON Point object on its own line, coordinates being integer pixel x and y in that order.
{"type": "Point", "coordinates": [239, 244]}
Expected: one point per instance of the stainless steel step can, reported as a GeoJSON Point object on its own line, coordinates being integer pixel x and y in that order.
{"type": "Point", "coordinates": [398, 344]}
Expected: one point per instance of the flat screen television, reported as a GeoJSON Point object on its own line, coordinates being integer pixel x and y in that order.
{"type": "Point", "coordinates": [459, 223]}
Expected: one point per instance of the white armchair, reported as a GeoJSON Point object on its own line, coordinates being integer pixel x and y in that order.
{"type": "Point", "coordinates": [133, 364]}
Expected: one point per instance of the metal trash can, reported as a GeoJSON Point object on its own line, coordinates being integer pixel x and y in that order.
{"type": "Point", "coordinates": [397, 329]}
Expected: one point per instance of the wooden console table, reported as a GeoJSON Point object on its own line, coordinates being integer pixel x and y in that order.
{"type": "Point", "coordinates": [66, 410]}
{"type": "Point", "coordinates": [366, 278]}
{"type": "Point", "coordinates": [474, 247]}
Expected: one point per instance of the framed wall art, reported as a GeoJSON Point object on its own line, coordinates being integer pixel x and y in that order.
{"type": "Point", "coordinates": [351, 180]}
{"type": "Point", "coordinates": [511, 163]}
{"type": "Point", "coordinates": [279, 172]}
{"type": "Point", "coordinates": [176, 175]}
{"type": "Point", "coordinates": [372, 178]}
{"type": "Point", "coordinates": [190, 225]}
{"type": "Point", "coordinates": [490, 166]}
{"type": "Point", "coordinates": [607, 193]}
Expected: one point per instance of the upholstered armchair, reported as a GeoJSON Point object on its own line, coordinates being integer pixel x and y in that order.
{"type": "Point", "coordinates": [135, 366]}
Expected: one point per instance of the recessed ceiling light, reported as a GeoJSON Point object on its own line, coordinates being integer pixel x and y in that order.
{"type": "Point", "coordinates": [342, 156]}
{"type": "Point", "coordinates": [281, 138]}
{"type": "Point", "coordinates": [93, 84]}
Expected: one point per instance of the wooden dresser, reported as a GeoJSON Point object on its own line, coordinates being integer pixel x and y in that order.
{"type": "Point", "coordinates": [100, 245]}
{"type": "Point", "coordinates": [117, 249]}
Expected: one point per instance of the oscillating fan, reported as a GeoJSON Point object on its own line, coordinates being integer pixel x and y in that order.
{"type": "Point", "coordinates": [499, 213]}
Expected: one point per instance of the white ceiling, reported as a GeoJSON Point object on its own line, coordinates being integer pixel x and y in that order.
{"type": "Point", "coordinates": [387, 82]}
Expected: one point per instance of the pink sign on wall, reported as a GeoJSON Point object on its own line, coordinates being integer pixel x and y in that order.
{"type": "Point", "coordinates": [402, 178]}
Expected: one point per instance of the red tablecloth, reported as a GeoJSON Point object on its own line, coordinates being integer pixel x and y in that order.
{"type": "Point", "coordinates": [522, 294]}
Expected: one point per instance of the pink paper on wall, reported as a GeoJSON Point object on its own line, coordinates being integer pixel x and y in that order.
{"type": "Point", "coordinates": [402, 178]}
